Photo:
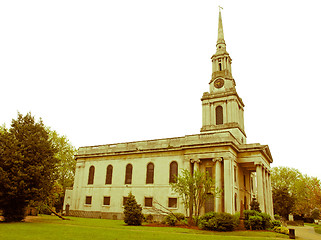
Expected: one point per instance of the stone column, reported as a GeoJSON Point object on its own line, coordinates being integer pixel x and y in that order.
{"type": "Point", "coordinates": [228, 186]}
{"type": "Point", "coordinates": [263, 208]}
{"type": "Point", "coordinates": [259, 179]}
{"type": "Point", "coordinates": [218, 183]}
{"type": "Point", "coordinates": [197, 164]}
{"type": "Point", "coordinates": [270, 195]}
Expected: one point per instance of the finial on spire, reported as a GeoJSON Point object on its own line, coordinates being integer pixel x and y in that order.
{"type": "Point", "coordinates": [219, 7]}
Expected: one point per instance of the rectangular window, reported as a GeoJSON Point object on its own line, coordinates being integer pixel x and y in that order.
{"type": "Point", "coordinates": [148, 202]}
{"type": "Point", "coordinates": [124, 200]}
{"type": "Point", "coordinates": [172, 202]}
{"type": "Point", "coordinates": [88, 199]}
{"type": "Point", "coordinates": [107, 201]}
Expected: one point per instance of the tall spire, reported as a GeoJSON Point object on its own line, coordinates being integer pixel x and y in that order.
{"type": "Point", "coordinates": [220, 44]}
{"type": "Point", "coordinates": [220, 35]}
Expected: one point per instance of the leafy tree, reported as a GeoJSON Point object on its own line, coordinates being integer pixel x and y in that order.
{"type": "Point", "coordinates": [315, 214]}
{"type": "Point", "coordinates": [283, 201]}
{"type": "Point", "coordinates": [132, 211]}
{"type": "Point", "coordinates": [292, 180]}
{"type": "Point", "coordinates": [313, 185]}
{"type": "Point", "coordinates": [194, 190]}
{"type": "Point", "coordinates": [27, 165]}
{"type": "Point", "coordinates": [65, 173]}
{"type": "Point", "coordinates": [304, 191]}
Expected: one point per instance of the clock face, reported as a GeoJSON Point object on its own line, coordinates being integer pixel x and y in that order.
{"type": "Point", "coordinates": [219, 83]}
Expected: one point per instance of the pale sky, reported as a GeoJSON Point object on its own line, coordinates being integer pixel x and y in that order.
{"type": "Point", "coordinates": [106, 71]}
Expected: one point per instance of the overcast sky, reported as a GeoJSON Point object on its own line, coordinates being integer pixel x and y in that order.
{"type": "Point", "coordinates": [104, 72]}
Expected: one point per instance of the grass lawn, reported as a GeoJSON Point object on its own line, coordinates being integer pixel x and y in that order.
{"type": "Point", "coordinates": [50, 227]}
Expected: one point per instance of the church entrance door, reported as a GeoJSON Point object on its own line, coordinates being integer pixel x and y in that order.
{"type": "Point", "coordinates": [209, 203]}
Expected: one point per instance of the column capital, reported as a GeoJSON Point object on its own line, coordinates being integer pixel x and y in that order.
{"type": "Point", "coordinates": [228, 158]}
{"type": "Point", "coordinates": [258, 164]}
{"type": "Point", "coordinates": [193, 160]}
{"type": "Point", "coordinates": [217, 159]}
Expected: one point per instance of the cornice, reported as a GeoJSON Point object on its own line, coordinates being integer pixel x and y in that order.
{"type": "Point", "coordinates": [204, 141]}
{"type": "Point", "coordinates": [222, 127]}
{"type": "Point", "coordinates": [227, 93]}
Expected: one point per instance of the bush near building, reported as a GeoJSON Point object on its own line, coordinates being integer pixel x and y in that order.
{"type": "Point", "coordinates": [173, 219]}
{"type": "Point", "coordinates": [133, 211]}
{"type": "Point", "coordinates": [254, 220]}
{"type": "Point", "coordinates": [218, 222]}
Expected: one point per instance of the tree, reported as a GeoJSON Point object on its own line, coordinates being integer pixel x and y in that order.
{"type": "Point", "coordinates": [132, 211]}
{"type": "Point", "coordinates": [66, 165]}
{"type": "Point", "coordinates": [27, 165]}
{"type": "Point", "coordinates": [292, 180]}
{"type": "Point", "coordinates": [304, 191]}
{"type": "Point", "coordinates": [194, 190]}
{"type": "Point", "coordinates": [313, 185]}
{"type": "Point", "coordinates": [315, 214]}
{"type": "Point", "coordinates": [283, 201]}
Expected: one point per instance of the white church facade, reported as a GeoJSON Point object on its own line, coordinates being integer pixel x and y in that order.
{"type": "Point", "coordinates": [105, 174]}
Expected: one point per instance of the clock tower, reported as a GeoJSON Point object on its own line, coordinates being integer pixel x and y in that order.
{"type": "Point", "coordinates": [222, 108]}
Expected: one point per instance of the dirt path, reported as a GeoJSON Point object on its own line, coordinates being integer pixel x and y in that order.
{"type": "Point", "coordinates": [306, 232]}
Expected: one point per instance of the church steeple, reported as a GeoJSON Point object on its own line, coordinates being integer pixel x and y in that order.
{"type": "Point", "coordinates": [220, 44]}
{"type": "Point", "coordinates": [222, 107]}
{"type": "Point", "coordinates": [221, 60]}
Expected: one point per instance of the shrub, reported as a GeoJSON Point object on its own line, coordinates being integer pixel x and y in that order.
{"type": "Point", "coordinates": [277, 217]}
{"type": "Point", "coordinates": [149, 218]}
{"type": "Point", "coordinates": [132, 211]}
{"type": "Point", "coordinates": [172, 219]}
{"type": "Point", "coordinates": [282, 230]}
{"type": "Point", "coordinates": [276, 223]}
{"type": "Point", "coordinates": [255, 222]}
{"type": "Point", "coordinates": [206, 221]}
{"type": "Point", "coordinates": [248, 213]}
{"type": "Point", "coordinates": [225, 222]}
{"type": "Point", "coordinates": [255, 205]}
{"type": "Point", "coordinates": [266, 221]}
{"type": "Point", "coordinates": [218, 222]}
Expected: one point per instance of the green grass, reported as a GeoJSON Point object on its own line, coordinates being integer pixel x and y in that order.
{"type": "Point", "coordinates": [317, 228]}
{"type": "Point", "coordinates": [49, 227]}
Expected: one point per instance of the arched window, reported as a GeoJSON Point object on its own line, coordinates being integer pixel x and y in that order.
{"type": "Point", "coordinates": [129, 173]}
{"type": "Point", "coordinates": [91, 175]}
{"type": "Point", "coordinates": [173, 172]}
{"type": "Point", "coordinates": [109, 174]}
{"type": "Point", "coordinates": [150, 173]}
{"type": "Point", "coordinates": [219, 115]}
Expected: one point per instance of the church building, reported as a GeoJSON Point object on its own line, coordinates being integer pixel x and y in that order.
{"type": "Point", "coordinates": [105, 174]}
